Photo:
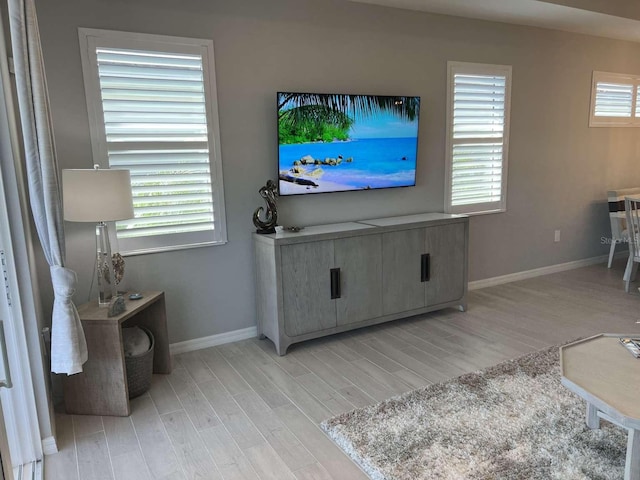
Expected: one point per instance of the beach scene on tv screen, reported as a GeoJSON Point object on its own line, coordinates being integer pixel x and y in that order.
{"type": "Point", "coordinates": [331, 142]}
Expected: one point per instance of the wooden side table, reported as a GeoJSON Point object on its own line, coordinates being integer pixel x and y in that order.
{"type": "Point", "coordinates": [101, 389]}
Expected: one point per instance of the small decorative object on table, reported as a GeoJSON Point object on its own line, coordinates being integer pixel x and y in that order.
{"type": "Point", "coordinates": [118, 268]}
{"type": "Point", "coordinates": [115, 271]}
{"type": "Point", "coordinates": [116, 306]}
{"type": "Point", "coordinates": [269, 192]}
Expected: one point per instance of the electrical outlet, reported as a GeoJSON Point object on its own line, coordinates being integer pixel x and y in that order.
{"type": "Point", "coordinates": [556, 236]}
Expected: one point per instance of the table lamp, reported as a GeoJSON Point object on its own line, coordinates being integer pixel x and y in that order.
{"type": "Point", "coordinates": [98, 196]}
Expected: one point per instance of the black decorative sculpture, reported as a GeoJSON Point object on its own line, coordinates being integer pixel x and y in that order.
{"type": "Point", "coordinates": [269, 192]}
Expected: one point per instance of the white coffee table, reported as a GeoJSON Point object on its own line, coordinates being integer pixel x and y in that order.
{"type": "Point", "coordinates": [607, 376]}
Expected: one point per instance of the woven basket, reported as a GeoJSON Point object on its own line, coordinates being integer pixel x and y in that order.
{"type": "Point", "coordinates": [140, 370]}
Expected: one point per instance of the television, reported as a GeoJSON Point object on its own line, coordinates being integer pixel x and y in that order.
{"type": "Point", "coordinates": [340, 142]}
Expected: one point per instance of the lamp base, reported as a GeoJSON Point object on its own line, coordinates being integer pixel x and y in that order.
{"type": "Point", "coordinates": [104, 266]}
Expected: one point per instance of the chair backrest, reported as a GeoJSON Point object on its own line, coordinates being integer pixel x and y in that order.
{"type": "Point", "coordinates": [616, 199]}
{"type": "Point", "coordinates": [632, 209]}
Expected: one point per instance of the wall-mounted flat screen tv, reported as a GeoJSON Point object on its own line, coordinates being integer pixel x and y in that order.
{"type": "Point", "coordinates": [334, 142]}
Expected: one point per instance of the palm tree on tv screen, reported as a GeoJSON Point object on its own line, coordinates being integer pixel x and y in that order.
{"type": "Point", "coordinates": [312, 116]}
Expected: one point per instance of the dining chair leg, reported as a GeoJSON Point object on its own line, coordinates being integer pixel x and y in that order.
{"type": "Point", "coordinates": [631, 275]}
{"type": "Point", "coordinates": [612, 251]}
{"type": "Point", "coordinates": [627, 273]}
{"type": "Point", "coordinates": [627, 270]}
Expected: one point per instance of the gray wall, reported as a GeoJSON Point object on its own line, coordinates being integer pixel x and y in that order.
{"type": "Point", "coordinates": [559, 169]}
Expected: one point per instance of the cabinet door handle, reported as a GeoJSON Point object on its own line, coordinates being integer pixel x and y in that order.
{"type": "Point", "coordinates": [425, 267]}
{"type": "Point", "coordinates": [335, 283]}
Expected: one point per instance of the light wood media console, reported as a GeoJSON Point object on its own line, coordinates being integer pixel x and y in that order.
{"type": "Point", "coordinates": [332, 278]}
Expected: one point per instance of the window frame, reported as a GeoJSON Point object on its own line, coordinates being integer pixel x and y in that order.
{"type": "Point", "coordinates": [90, 39]}
{"type": "Point", "coordinates": [454, 68]}
{"type": "Point", "coordinates": [622, 79]}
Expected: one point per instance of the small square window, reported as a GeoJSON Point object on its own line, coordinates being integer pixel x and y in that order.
{"type": "Point", "coordinates": [614, 100]}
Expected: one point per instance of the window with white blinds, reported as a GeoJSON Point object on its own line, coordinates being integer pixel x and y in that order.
{"type": "Point", "coordinates": [478, 99]}
{"type": "Point", "coordinates": [152, 109]}
{"type": "Point", "coordinates": [614, 100]}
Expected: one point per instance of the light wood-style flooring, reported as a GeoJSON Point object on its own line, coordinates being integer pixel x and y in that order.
{"type": "Point", "coordinates": [239, 411]}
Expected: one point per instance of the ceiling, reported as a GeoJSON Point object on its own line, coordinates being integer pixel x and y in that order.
{"type": "Point", "coordinates": [619, 19]}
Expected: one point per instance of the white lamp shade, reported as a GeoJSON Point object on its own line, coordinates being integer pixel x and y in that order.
{"type": "Point", "coordinates": [97, 195]}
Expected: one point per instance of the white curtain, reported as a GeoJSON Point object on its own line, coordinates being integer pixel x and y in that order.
{"type": "Point", "coordinates": [68, 345]}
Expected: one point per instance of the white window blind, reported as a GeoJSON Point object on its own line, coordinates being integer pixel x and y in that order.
{"type": "Point", "coordinates": [152, 105]}
{"type": "Point", "coordinates": [477, 137]}
{"type": "Point", "coordinates": [614, 100]}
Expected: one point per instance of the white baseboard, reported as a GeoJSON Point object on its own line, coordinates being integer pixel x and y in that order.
{"type": "Point", "coordinates": [537, 272]}
{"type": "Point", "coordinates": [49, 445]}
{"type": "Point", "coordinates": [250, 332]}
{"type": "Point", "coordinates": [213, 340]}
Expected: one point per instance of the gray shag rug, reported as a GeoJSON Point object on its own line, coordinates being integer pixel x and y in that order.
{"type": "Point", "coordinates": [511, 421]}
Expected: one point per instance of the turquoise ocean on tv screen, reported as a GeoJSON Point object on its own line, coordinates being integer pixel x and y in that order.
{"type": "Point", "coordinates": [377, 162]}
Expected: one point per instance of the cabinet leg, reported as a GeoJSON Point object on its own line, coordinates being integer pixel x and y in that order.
{"type": "Point", "coordinates": [259, 330]}
{"type": "Point", "coordinates": [282, 347]}
{"type": "Point", "coordinates": [463, 307]}
{"type": "Point", "coordinates": [261, 336]}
